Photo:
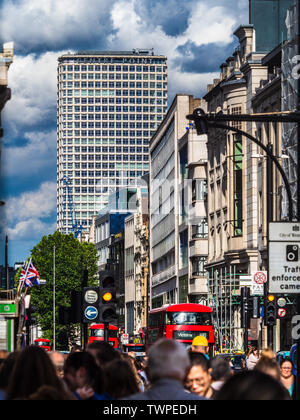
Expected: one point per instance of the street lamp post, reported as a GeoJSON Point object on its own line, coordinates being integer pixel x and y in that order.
{"type": "Point", "coordinates": [54, 303]}
{"type": "Point", "coordinates": [205, 121]}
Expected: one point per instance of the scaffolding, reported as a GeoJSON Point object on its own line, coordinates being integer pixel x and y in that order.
{"type": "Point", "coordinates": [289, 103]}
{"type": "Point", "coordinates": [224, 299]}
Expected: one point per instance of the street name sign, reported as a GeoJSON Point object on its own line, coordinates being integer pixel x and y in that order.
{"type": "Point", "coordinates": [284, 258]}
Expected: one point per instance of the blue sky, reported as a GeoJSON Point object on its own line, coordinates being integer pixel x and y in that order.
{"type": "Point", "coordinates": [195, 35]}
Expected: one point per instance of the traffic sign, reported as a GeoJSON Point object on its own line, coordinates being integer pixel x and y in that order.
{"type": "Point", "coordinates": [91, 296]}
{"type": "Point", "coordinates": [281, 312]}
{"type": "Point", "coordinates": [260, 277]}
{"type": "Point", "coordinates": [284, 258]}
{"type": "Point", "coordinates": [91, 313]}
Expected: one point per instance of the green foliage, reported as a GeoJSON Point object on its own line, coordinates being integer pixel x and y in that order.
{"type": "Point", "coordinates": [71, 258]}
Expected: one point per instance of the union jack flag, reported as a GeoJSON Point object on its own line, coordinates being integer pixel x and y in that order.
{"type": "Point", "coordinates": [29, 276]}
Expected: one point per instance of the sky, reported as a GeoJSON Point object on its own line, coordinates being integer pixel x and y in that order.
{"type": "Point", "coordinates": [195, 35]}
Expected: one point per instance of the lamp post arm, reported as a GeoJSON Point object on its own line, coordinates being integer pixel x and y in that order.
{"type": "Point", "coordinates": [272, 157]}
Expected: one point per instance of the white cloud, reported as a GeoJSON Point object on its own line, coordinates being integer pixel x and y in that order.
{"type": "Point", "coordinates": [32, 80]}
{"type": "Point", "coordinates": [190, 83]}
{"type": "Point", "coordinates": [36, 24]}
{"type": "Point", "coordinates": [36, 157]}
{"type": "Point", "coordinates": [30, 229]}
{"type": "Point", "coordinates": [31, 204]}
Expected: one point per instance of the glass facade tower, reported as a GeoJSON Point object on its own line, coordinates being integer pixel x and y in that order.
{"type": "Point", "coordinates": [109, 106]}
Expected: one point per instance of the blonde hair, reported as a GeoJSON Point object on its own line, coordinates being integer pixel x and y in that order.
{"type": "Point", "coordinates": [268, 354]}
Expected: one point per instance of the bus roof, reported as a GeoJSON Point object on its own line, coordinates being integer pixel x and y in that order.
{"type": "Point", "coordinates": [101, 327]}
{"type": "Point", "coordinates": [42, 339]}
{"type": "Point", "coordinates": [183, 307]}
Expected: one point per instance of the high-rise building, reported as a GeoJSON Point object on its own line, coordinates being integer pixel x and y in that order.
{"type": "Point", "coordinates": [109, 106]}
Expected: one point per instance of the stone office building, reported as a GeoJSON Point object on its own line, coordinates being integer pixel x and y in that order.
{"type": "Point", "coordinates": [178, 213]}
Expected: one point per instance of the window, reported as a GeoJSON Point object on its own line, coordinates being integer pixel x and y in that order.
{"type": "Point", "coordinates": [199, 189]}
{"type": "Point", "coordinates": [201, 229]}
{"type": "Point", "coordinates": [238, 185]}
{"type": "Point", "coordinates": [198, 266]}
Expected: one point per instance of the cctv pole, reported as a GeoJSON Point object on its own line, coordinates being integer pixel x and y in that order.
{"type": "Point", "coordinates": [270, 328]}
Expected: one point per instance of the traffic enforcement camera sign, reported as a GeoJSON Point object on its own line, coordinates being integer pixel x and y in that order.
{"type": "Point", "coordinates": [284, 258]}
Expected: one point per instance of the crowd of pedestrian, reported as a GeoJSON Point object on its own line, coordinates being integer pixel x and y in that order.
{"type": "Point", "coordinates": [169, 372]}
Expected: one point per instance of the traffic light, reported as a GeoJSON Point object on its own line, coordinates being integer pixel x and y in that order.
{"type": "Point", "coordinates": [245, 307]}
{"type": "Point", "coordinates": [108, 303]}
{"type": "Point", "coordinates": [200, 123]}
{"type": "Point", "coordinates": [30, 318]}
{"type": "Point", "coordinates": [270, 310]}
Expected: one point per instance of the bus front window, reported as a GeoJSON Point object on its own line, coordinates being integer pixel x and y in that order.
{"type": "Point", "coordinates": [188, 318]}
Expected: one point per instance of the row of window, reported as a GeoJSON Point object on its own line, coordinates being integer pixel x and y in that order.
{"type": "Point", "coordinates": [105, 158]}
{"type": "Point", "coordinates": [110, 117]}
{"type": "Point", "coordinates": [104, 133]}
{"type": "Point", "coordinates": [111, 68]}
{"type": "Point", "coordinates": [105, 109]}
{"type": "Point", "coordinates": [126, 85]}
{"type": "Point", "coordinates": [112, 92]}
{"type": "Point", "coordinates": [97, 149]}
{"type": "Point", "coordinates": [112, 76]}
{"type": "Point", "coordinates": [145, 101]}
{"type": "Point", "coordinates": [64, 141]}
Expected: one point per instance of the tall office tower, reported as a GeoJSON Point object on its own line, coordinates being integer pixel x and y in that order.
{"type": "Point", "coordinates": [109, 106]}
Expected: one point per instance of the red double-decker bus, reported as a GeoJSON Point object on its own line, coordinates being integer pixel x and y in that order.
{"type": "Point", "coordinates": [97, 334]}
{"type": "Point", "coordinates": [44, 343]}
{"type": "Point", "coordinates": [181, 322]}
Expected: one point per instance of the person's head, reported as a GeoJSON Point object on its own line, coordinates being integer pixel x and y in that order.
{"type": "Point", "coordinates": [76, 349]}
{"type": "Point", "coordinates": [3, 355]}
{"type": "Point", "coordinates": [33, 369]}
{"type": "Point", "coordinates": [220, 369]}
{"type": "Point", "coordinates": [48, 393]}
{"type": "Point", "coordinates": [254, 351]}
{"type": "Point", "coordinates": [199, 378]}
{"type": "Point", "coordinates": [58, 361]}
{"type": "Point", "coordinates": [252, 386]}
{"type": "Point", "coordinates": [167, 359]}
{"type": "Point", "coordinates": [200, 345]}
{"type": "Point", "coordinates": [6, 369]}
{"type": "Point", "coordinates": [102, 352]}
{"type": "Point", "coordinates": [269, 367]}
{"type": "Point", "coordinates": [81, 370]}
{"type": "Point", "coordinates": [286, 368]}
{"type": "Point", "coordinates": [120, 380]}
{"type": "Point", "coordinates": [267, 354]}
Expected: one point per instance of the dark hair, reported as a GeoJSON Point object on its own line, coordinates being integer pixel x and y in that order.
{"type": "Point", "coordinates": [120, 380]}
{"type": "Point", "coordinates": [94, 373]}
{"type": "Point", "coordinates": [105, 353]}
{"type": "Point", "coordinates": [198, 359]}
{"type": "Point", "coordinates": [287, 359]}
{"type": "Point", "coordinates": [220, 369]}
{"type": "Point", "coordinates": [47, 393]}
{"type": "Point", "coordinates": [76, 348]}
{"type": "Point", "coordinates": [6, 369]}
{"type": "Point", "coordinates": [252, 386]}
{"type": "Point", "coordinates": [33, 368]}
{"type": "Point", "coordinates": [265, 365]}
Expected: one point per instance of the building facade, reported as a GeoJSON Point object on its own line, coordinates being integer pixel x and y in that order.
{"type": "Point", "coordinates": [109, 106]}
{"type": "Point", "coordinates": [137, 268]}
{"type": "Point", "coordinates": [178, 217]}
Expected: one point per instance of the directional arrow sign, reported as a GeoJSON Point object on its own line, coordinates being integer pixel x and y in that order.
{"type": "Point", "coordinates": [91, 313]}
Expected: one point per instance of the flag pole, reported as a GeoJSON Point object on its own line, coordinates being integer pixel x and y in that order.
{"type": "Point", "coordinates": [21, 284]}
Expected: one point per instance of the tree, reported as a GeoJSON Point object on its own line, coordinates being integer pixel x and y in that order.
{"type": "Point", "coordinates": [71, 258]}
